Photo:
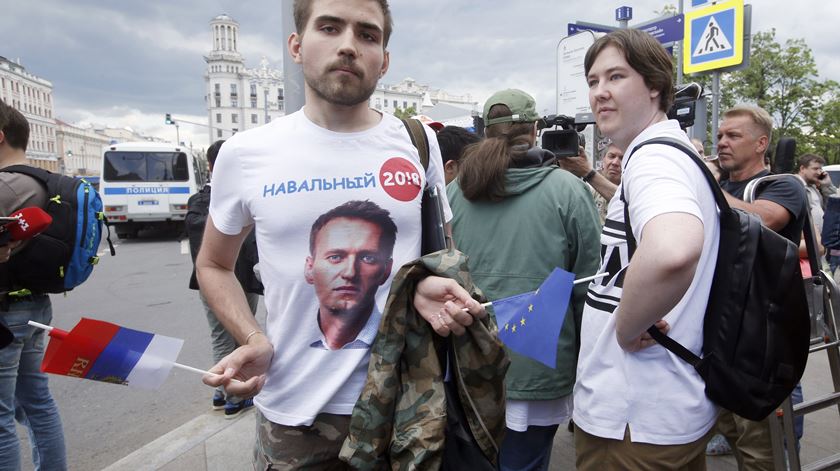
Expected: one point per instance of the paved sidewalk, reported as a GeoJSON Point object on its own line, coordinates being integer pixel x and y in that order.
{"type": "Point", "coordinates": [211, 442]}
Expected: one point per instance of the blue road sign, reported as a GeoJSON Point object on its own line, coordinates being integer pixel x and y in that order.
{"type": "Point", "coordinates": [666, 30]}
{"type": "Point", "coordinates": [575, 28]}
{"type": "Point", "coordinates": [623, 14]}
{"type": "Point", "coordinates": [714, 36]}
{"type": "Point", "coordinates": [697, 3]}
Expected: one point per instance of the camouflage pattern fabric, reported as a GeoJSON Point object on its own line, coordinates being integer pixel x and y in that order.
{"type": "Point", "coordinates": [315, 447]}
{"type": "Point", "coordinates": [400, 417]}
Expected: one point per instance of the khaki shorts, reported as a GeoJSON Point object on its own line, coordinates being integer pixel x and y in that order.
{"type": "Point", "coordinates": [596, 453]}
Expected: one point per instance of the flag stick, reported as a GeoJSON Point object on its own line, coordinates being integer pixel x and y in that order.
{"type": "Point", "coordinates": [50, 328]}
{"type": "Point", "coordinates": [576, 282]}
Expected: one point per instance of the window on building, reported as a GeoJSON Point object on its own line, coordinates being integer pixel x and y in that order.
{"type": "Point", "coordinates": [234, 102]}
{"type": "Point", "coordinates": [378, 104]}
{"type": "Point", "coordinates": [234, 130]}
{"type": "Point", "coordinates": [234, 118]}
{"type": "Point", "coordinates": [218, 101]}
{"type": "Point", "coordinates": [217, 88]}
{"type": "Point", "coordinates": [218, 117]}
{"type": "Point", "coordinates": [218, 133]}
{"type": "Point", "coordinates": [253, 119]}
{"type": "Point", "coordinates": [395, 104]}
{"type": "Point", "coordinates": [405, 105]}
{"type": "Point", "coordinates": [233, 89]}
{"type": "Point", "coordinates": [253, 89]}
{"type": "Point", "coordinates": [253, 101]}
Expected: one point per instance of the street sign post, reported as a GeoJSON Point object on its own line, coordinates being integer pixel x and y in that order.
{"type": "Point", "coordinates": [714, 37]}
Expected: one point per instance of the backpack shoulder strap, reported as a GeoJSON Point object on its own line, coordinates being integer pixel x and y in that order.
{"type": "Point", "coordinates": [670, 344]}
{"type": "Point", "coordinates": [720, 199]}
{"type": "Point", "coordinates": [37, 173]}
{"type": "Point", "coordinates": [419, 139]}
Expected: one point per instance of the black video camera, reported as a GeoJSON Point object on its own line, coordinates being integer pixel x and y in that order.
{"type": "Point", "coordinates": [564, 142]}
{"type": "Point", "coordinates": [685, 102]}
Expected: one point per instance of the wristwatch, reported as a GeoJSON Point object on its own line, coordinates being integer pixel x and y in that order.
{"type": "Point", "coordinates": [588, 176]}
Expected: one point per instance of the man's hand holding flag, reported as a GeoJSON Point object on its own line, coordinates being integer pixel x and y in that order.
{"type": "Point", "coordinates": [530, 323]}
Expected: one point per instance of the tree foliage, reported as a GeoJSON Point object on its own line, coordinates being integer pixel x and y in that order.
{"type": "Point", "coordinates": [784, 80]}
{"type": "Point", "coordinates": [405, 113]}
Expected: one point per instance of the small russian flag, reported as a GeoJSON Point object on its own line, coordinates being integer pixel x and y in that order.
{"type": "Point", "coordinates": [103, 351]}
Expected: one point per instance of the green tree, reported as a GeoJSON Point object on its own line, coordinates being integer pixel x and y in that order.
{"type": "Point", "coordinates": [405, 113]}
{"type": "Point", "coordinates": [782, 79]}
{"type": "Point", "coordinates": [825, 125]}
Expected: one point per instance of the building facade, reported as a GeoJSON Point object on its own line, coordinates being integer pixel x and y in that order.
{"type": "Point", "coordinates": [239, 98]}
{"type": "Point", "coordinates": [32, 96]}
{"type": "Point", "coordinates": [80, 149]}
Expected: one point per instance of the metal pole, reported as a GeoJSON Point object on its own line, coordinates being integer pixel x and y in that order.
{"type": "Point", "coordinates": [293, 96]}
{"type": "Point", "coordinates": [678, 49]}
{"type": "Point", "coordinates": [177, 134]}
{"type": "Point", "coordinates": [265, 101]}
{"type": "Point", "coordinates": [715, 109]}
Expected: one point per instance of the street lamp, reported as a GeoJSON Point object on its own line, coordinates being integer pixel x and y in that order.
{"type": "Point", "coordinates": [264, 77]}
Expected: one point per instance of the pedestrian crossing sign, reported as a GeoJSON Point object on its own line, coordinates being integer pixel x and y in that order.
{"type": "Point", "coordinates": [715, 36]}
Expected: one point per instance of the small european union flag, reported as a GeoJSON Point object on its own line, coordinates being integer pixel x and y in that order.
{"type": "Point", "coordinates": [530, 323]}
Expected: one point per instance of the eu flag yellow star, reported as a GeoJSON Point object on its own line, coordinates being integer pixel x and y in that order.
{"type": "Point", "coordinates": [513, 329]}
{"type": "Point", "coordinates": [530, 308]}
{"type": "Point", "coordinates": [522, 321]}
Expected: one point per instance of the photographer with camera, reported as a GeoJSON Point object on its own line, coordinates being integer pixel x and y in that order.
{"type": "Point", "coordinates": [518, 216]}
{"type": "Point", "coordinates": [602, 183]}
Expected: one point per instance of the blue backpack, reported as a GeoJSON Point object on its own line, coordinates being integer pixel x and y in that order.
{"type": "Point", "coordinates": [63, 256]}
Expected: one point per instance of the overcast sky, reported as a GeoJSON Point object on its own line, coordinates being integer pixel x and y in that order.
{"type": "Point", "coordinates": [128, 63]}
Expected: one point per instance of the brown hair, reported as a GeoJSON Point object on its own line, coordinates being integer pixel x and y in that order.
{"type": "Point", "coordinates": [14, 126]}
{"type": "Point", "coordinates": [806, 159]}
{"type": "Point", "coordinates": [482, 168]}
{"type": "Point", "coordinates": [303, 10]}
{"type": "Point", "coordinates": [645, 55]}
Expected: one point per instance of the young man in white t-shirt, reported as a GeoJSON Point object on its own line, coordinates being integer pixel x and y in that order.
{"type": "Point", "coordinates": [279, 178]}
{"type": "Point", "coordinates": [637, 406]}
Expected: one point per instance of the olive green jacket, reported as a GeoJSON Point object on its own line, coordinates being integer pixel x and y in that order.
{"type": "Point", "coordinates": [547, 220]}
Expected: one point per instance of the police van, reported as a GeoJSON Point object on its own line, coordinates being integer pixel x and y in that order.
{"type": "Point", "coordinates": [147, 185]}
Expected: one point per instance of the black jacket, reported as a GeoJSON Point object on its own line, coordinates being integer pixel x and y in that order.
{"type": "Point", "coordinates": [198, 207]}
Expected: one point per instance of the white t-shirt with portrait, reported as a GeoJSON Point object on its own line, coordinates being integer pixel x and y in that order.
{"type": "Point", "coordinates": [282, 176]}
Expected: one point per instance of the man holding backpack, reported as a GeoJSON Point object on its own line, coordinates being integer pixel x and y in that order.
{"type": "Point", "coordinates": [24, 392]}
{"type": "Point", "coordinates": [743, 138]}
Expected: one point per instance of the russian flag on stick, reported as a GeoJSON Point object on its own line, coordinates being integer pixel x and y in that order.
{"type": "Point", "coordinates": [102, 351]}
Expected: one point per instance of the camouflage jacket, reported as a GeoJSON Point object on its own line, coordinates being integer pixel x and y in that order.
{"type": "Point", "coordinates": [400, 417]}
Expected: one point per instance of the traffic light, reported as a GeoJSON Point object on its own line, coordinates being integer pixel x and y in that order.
{"type": "Point", "coordinates": [169, 119]}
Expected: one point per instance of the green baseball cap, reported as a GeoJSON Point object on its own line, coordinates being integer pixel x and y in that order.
{"type": "Point", "coordinates": [522, 107]}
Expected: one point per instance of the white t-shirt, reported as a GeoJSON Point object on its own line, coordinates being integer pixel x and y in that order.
{"type": "Point", "coordinates": [653, 391]}
{"type": "Point", "coordinates": [282, 177]}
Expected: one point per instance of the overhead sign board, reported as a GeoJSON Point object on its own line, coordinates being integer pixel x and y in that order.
{"type": "Point", "coordinates": [665, 30]}
{"type": "Point", "coordinates": [575, 28]}
{"type": "Point", "coordinates": [697, 3]}
{"type": "Point", "coordinates": [714, 37]}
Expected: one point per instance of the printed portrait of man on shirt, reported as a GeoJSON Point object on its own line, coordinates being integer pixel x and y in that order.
{"type": "Point", "coordinates": [350, 257]}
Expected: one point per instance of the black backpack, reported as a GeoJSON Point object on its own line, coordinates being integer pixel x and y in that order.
{"type": "Point", "coordinates": [63, 256]}
{"type": "Point", "coordinates": [756, 331]}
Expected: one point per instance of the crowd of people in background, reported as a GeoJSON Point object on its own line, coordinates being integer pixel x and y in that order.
{"type": "Point", "coordinates": [328, 257]}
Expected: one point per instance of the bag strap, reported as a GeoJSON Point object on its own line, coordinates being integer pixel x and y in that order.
{"type": "Point", "coordinates": [419, 139]}
{"type": "Point", "coordinates": [37, 173]}
{"type": "Point", "coordinates": [672, 345]}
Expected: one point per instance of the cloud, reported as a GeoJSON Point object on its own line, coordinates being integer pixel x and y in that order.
{"type": "Point", "coordinates": [146, 58]}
